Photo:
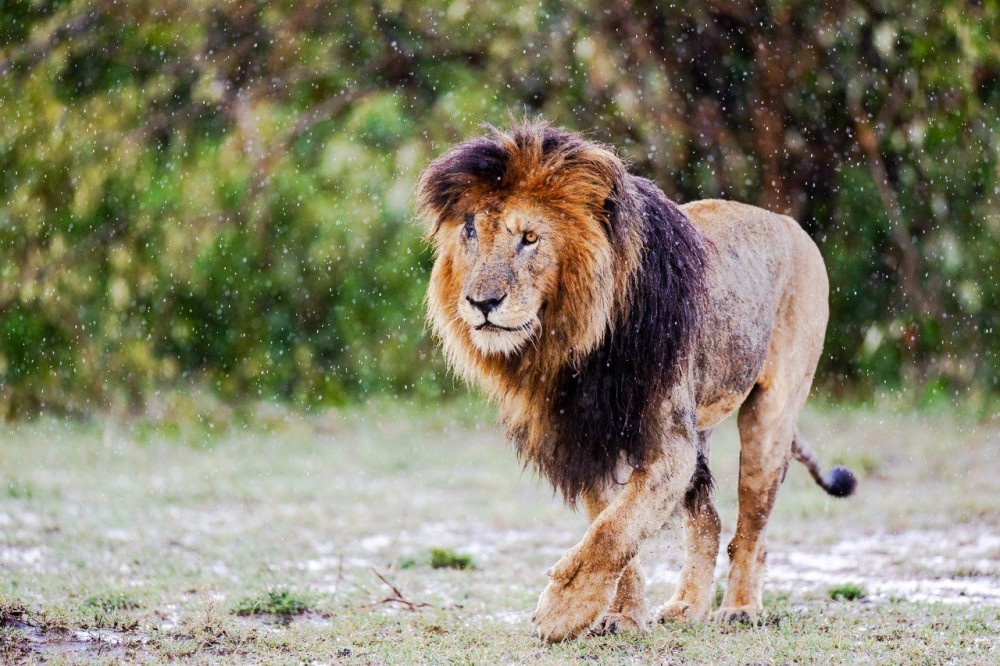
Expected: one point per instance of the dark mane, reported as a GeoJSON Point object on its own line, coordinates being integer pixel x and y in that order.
{"type": "Point", "coordinates": [525, 160]}
{"type": "Point", "coordinates": [448, 179]}
{"type": "Point", "coordinates": [589, 410]}
{"type": "Point", "coordinates": [604, 409]}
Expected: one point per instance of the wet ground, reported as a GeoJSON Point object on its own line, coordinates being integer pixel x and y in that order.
{"type": "Point", "coordinates": [117, 547]}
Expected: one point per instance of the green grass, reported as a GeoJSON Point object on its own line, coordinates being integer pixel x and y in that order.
{"type": "Point", "coordinates": [280, 603]}
{"type": "Point", "coordinates": [156, 549]}
{"type": "Point", "coordinates": [847, 592]}
{"type": "Point", "coordinates": [442, 558]}
{"type": "Point", "coordinates": [112, 601]}
{"type": "Point", "coordinates": [17, 490]}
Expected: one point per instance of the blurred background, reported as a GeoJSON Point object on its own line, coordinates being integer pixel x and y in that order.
{"type": "Point", "coordinates": [216, 196]}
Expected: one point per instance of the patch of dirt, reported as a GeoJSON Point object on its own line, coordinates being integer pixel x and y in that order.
{"type": "Point", "coordinates": [950, 566]}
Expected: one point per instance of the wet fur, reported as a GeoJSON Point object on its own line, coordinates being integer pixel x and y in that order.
{"type": "Point", "coordinates": [606, 406]}
{"type": "Point", "coordinates": [649, 324]}
{"type": "Point", "coordinates": [589, 406]}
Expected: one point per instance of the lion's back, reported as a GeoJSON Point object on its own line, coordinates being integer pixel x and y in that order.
{"type": "Point", "coordinates": [764, 272]}
{"type": "Point", "coordinates": [753, 247]}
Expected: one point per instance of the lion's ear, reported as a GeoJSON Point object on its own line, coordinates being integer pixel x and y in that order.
{"type": "Point", "coordinates": [454, 175]}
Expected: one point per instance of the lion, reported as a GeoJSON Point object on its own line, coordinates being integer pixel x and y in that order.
{"type": "Point", "coordinates": [615, 329]}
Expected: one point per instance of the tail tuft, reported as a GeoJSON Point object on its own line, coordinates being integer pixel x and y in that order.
{"type": "Point", "coordinates": [699, 492]}
{"type": "Point", "coordinates": [840, 482]}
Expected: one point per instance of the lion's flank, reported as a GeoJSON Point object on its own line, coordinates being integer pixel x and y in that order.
{"type": "Point", "coordinates": [585, 398]}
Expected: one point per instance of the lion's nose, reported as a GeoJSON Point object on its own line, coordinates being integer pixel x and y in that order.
{"type": "Point", "coordinates": [486, 306]}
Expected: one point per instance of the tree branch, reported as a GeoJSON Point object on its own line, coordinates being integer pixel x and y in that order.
{"type": "Point", "coordinates": [910, 284]}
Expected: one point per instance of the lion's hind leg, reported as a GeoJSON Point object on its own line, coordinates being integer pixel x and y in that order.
{"type": "Point", "coordinates": [767, 426]}
{"type": "Point", "coordinates": [692, 600]}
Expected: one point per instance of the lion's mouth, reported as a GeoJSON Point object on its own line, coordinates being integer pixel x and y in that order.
{"type": "Point", "coordinates": [490, 326]}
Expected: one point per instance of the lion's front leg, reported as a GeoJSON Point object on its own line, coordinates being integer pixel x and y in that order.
{"type": "Point", "coordinates": [584, 582]}
{"type": "Point", "coordinates": [628, 608]}
{"type": "Point", "coordinates": [579, 591]}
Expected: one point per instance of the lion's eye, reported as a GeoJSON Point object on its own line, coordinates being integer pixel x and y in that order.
{"type": "Point", "coordinates": [469, 230]}
{"type": "Point", "coordinates": [529, 237]}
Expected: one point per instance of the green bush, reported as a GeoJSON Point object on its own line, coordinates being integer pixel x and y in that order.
{"type": "Point", "coordinates": [212, 196]}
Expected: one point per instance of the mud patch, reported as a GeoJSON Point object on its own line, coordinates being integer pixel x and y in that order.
{"type": "Point", "coordinates": [956, 566]}
{"type": "Point", "coordinates": [950, 566]}
{"type": "Point", "coordinates": [30, 639]}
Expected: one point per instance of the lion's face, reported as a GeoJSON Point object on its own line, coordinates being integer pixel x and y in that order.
{"type": "Point", "coordinates": [507, 265]}
{"type": "Point", "coordinates": [527, 259]}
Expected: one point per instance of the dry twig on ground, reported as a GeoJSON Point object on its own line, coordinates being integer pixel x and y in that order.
{"type": "Point", "coordinates": [397, 596]}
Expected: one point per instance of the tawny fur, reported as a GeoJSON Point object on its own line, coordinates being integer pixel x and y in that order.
{"type": "Point", "coordinates": [553, 231]}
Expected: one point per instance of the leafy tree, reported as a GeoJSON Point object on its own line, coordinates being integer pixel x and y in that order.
{"type": "Point", "coordinates": [220, 192]}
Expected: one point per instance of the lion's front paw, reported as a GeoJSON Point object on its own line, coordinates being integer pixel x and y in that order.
{"type": "Point", "coordinates": [617, 623]}
{"type": "Point", "coordinates": [682, 611]}
{"type": "Point", "coordinates": [738, 615]}
{"type": "Point", "coordinates": [565, 610]}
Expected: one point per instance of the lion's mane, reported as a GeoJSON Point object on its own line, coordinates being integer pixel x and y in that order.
{"type": "Point", "coordinates": [586, 396]}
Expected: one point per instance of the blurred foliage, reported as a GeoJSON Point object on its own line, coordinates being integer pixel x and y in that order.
{"type": "Point", "coordinates": [219, 193]}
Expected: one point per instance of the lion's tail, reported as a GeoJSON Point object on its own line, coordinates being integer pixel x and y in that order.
{"type": "Point", "coordinates": [838, 482]}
